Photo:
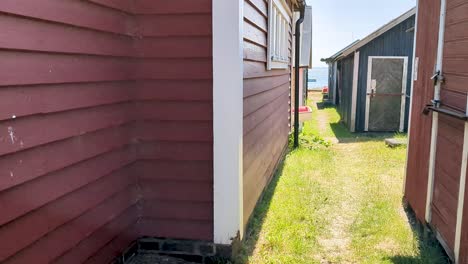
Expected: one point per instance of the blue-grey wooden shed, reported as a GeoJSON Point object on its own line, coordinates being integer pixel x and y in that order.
{"type": "Point", "coordinates": [370, 80]}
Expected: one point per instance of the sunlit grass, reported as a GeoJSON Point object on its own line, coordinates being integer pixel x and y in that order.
{"type": "Point", "coordinates": [336, 203]}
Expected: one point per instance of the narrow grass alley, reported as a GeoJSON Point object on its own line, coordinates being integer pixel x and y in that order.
{"type": "Point", "coordinates": [337, 199]}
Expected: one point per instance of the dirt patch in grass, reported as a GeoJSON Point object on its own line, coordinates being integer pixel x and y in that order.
{"type": "Point", "coordinates": [338, 203]}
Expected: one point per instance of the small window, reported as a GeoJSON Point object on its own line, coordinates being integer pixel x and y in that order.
{"type": "Point", "coordinates": [278, 35]}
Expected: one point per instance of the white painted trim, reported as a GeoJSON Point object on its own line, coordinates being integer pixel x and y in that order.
{"type": "Point", "coordinates": [413, 80]}
{"type": "Point", "coordinates": [335, 80]}
{"type": "Point", "coordinates": [461, 193]}
{"type": "Point", "coordinates": [404, 85]}
{"type": "Point", "coordinates": [435, 115]}
{"type": "Point", "coordinates": [354, 91]}
{"type": "Point", "coordinates": [285, 11]}
{"type": "Point", "coordinates": [403, 95]}
{"type": "Point", "coordinates": [368, 90]}
{"type": "Point", "coordinates": [228, 20]}
{"type": "Point", "coordinates": [430, 177]}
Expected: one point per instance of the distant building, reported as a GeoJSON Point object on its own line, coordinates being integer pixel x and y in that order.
{"type": "Point", "coordinates": [370, 80]}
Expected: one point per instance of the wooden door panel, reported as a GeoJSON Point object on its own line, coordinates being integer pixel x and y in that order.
{"type": "Point", "coordinates": [423, 91]}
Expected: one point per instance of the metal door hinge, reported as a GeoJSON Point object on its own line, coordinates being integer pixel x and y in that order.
{"type": "Point", "coordinates": [438, 77]}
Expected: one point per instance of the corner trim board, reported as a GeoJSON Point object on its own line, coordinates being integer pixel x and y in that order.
{"type": "Point", "coordinates": [461, 194]}
{"type": "Point", "coordinates": [435, 116]}
{"type": "Point", "coordinates": [227, 120]}
{"type": "Point", "coordinates": [354, 92]}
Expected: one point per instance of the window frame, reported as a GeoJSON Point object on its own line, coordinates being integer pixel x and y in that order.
{"type": "Point", "coordinates": [279, 26]}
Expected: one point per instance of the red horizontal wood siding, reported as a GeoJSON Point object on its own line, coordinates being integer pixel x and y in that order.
{"type": "Point", "coordinates": [105, 123]}
{"type": "Point", "coordinates": [266, 103]}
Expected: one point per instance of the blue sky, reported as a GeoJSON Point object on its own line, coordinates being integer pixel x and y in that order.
{"type": "Point", "coordinates": [337, 23]}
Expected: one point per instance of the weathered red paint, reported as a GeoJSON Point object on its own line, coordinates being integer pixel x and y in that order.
{"type": "Point", "coordinates": [266, 97]}
{"type": "Point", "coordinates": [105, 120]}
{"type": "Point", "coordinates": [450, 134]}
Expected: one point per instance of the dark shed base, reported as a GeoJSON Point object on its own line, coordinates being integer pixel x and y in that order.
{"type": "Point", "coordinates": [161, 250]}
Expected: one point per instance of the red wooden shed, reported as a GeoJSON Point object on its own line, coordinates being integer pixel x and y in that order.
{"type": "Point", "coordinates": [153, 121]}
{"type": "Point", "coordinates": [438, 146]}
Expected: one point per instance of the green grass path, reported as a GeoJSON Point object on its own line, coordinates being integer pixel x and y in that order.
{"type": "Point", "coordinates": [336, 202]}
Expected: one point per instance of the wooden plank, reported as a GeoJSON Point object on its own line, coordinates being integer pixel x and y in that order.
{"type": "Point", "coordinates": [254, 16]}
{"type": "Point", "coordinates": [114, 248]}
{"type": "Point", "coordinates": [177, 210]}
{"type": "Point", "coordinates": [34, 194]}
{"type": "Point", "coordinates": [67, 236]}
{"type": "Point", "coordinates": [253, 103]}
{"type": "Point", "coordinates": [174, 47]}
{"type": "Point", "coordinates": [258, 177]}
{"type": "Point", "coordinates": [122, 5]}
{"type": "Point", "coordinates": [456, 49]}
{"type": "Point", "coordinates": [259, 85]}
{"type": "Point", "coordinates": [26, 165]}
{"type": "Point", "coordinates": [420, 131]}
{"type": "Point", "coordinates": [177, 191]}
{"type": "Point", "coordinates": [174, 25]}
{"type": "Point", "coordinates": [21, 101]}
{"type": "Point", "coordinates": [87, 247]}
{"type": "Point", "coordinates": [165, 170]}
{"type": "Point", "coordinates": [75, 13]}
{"type": "Point", "coordinates": [456, 67]}
{"type": "Point", "coordinates": [454, 3]}
{"type": "Point", "coordinates": [458, 31]}
{"type": "Point", "coordinates": [262, 136]}
{"type": "Point", "coordinates": [258, 69]}
{"type": "Point", "coordinates": [191, 131]}
{"type": "Point", "coordinates": [453, 99]}
{"type": "Point", "coordinates": [260, 5]}
{"type": "Point", "coordinates": [253, 52]}
{"type": "Point", "coordinates": [164, 110]}
{"type": "Point", "coordinates": [456, 14]}
{"type": "Point", "coordinates": [164, 7]}
{"type": "Point", "coordinates": [196, 230]}
{"type": "Point", "coordinates": [25, 34]}
{"type": "Point", "coordinates": [253, 120]}
{"type": "Point", "coordinates": [174, 69]}
{"type": "Point", "coordinates": [175, 90]}
{"type": "Point", "coordinates": [166, 150]}
{"type": "Point", "coordinates": [37, 224]}
{"type": "Point", "coordinates": [254, 35]}
{"type": "Point", "coordinates": [20, 68]}
{"type": "Point", "coordinates": [464, 233]}
{"type": "Point", "coordinates": [24, 133]}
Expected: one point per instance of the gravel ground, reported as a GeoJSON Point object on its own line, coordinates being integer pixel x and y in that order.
{"type": "Point", "coordinates": [154, 259]}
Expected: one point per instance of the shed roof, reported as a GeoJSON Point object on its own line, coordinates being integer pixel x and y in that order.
{"type": "Point", "coordinates": [359, 43]}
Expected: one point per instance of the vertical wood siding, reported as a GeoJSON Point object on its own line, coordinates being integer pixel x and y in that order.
{"type": "Point", "coordinates": [105, 119]}
{"type": "Point", "coordinates": [423, 92]}
{"type": "Point", "coordinates": [266, 96]}
{"type": "Point", "coordinates": [345, 88]}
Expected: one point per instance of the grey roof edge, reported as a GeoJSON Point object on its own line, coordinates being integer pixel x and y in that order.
{"type": "Point", "coordinates": [359, 43]}
{"type": "Point", "coordinates": [339, 53]}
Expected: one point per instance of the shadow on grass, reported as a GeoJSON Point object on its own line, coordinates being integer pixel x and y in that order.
{"type": "Point", "coordinates": [324, 105]}
{"type": "Point", "coordinates": [430, 250]}
{"type": "Point", "coordinates": [341, 132]}
{"type": "Point", "coordinates": [258, 218]}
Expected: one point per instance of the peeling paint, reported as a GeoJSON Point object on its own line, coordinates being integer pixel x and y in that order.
{"type": "Point", "coordinates": [11, 174]}
{"type": "Point", "coordinates": [11, 132]}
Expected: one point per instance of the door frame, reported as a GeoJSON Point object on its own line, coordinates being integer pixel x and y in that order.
{"type": "Point", "coordinates": [403, 90]}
